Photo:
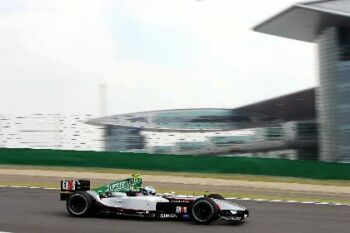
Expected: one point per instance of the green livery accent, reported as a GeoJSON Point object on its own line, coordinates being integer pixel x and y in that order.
{"type": "Point", "coordinates": [127, 185]}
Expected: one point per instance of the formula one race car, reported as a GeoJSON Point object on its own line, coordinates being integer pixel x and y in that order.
{"type": "Point", "coordinates": [128, 198]}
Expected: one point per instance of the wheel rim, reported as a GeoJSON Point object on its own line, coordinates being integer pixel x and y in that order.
{"type": "Point", "coordinates": [78, 204]}
{"type": "Point", "coordinates": [202, 211]}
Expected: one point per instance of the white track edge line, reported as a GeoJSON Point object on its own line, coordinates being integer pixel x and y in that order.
{"type": "Point", "coordinates": [289, 201]}
{"type": "Point", "coordinates": [24, 186]}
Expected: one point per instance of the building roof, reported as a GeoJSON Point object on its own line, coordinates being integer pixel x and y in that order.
{"type": "Point", "coordinates": [189, 120]}
{"type": "Point", "coordinates": [291, 107]}
{"type": "Point", "coordinates": [304, 21]}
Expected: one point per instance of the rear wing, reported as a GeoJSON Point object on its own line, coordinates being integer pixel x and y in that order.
{"type": "Point", "coordinates": [70, 186]}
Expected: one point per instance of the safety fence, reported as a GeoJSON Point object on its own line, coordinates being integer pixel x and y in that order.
{"type": "Point", "coordinates": [177, 163]}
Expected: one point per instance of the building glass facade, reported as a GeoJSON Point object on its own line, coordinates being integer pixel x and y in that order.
{"type": "Point", "coordinates": [333, 97]}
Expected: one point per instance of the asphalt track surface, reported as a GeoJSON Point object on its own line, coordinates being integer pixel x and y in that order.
{"type": "Point", "coordinates": [37, 210]}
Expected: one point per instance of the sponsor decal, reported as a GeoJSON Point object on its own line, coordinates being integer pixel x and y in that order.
{"type": "Point", "coordinates": [179, 201]}
{"type": "Point", "coordinates": [130, 184]}
{"type": "Point", "coordinates": [181, 209]}
{"type": "Point", "coordinates": [123, 185]}
{"type": "Point", "coordinates": [68, 185]}
{"type": "Point", "coordinates": [168, 216]}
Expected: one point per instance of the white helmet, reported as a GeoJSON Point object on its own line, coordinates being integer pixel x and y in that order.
{"type": "Point", "coordinates": [149, 190]}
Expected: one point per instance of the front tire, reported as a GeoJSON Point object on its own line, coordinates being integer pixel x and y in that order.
{"type": "Point", "coordinates": [80, 204]}
{"type": "Point", "coordinates": [204, 211]}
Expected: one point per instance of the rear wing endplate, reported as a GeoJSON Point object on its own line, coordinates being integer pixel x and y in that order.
{"type": "Point", "coordinates": [70, 186]}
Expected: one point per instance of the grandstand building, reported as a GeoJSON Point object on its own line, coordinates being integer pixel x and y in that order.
{"type": "Point", "coordinates": [310, 124]}
{"type": "Point", "coordinates": [280, 127]}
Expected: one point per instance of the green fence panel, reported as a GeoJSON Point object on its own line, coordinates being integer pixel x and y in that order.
{"type": "Point", "coordinates": [177, 163]}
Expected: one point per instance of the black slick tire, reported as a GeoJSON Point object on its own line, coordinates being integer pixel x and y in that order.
{"type": "Point", "coordinates": [80, 204]}
{"type": "Point", "coordinates": [204, 210]}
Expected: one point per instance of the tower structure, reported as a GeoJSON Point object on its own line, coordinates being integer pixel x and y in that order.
{"type": "Point", "coordinates": [326, 23]}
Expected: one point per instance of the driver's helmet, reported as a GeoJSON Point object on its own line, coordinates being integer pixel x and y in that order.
{"type": "Point", "coordinates": [149, 190]}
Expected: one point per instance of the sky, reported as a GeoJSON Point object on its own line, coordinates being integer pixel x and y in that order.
{"type": "Point", "coordinates": [57, 56]}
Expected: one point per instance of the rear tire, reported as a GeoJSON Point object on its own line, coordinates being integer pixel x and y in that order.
{"type": "Point", "coordinates": [80, 204]}
{"type": "Point", "coordinates": [204, 211]}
